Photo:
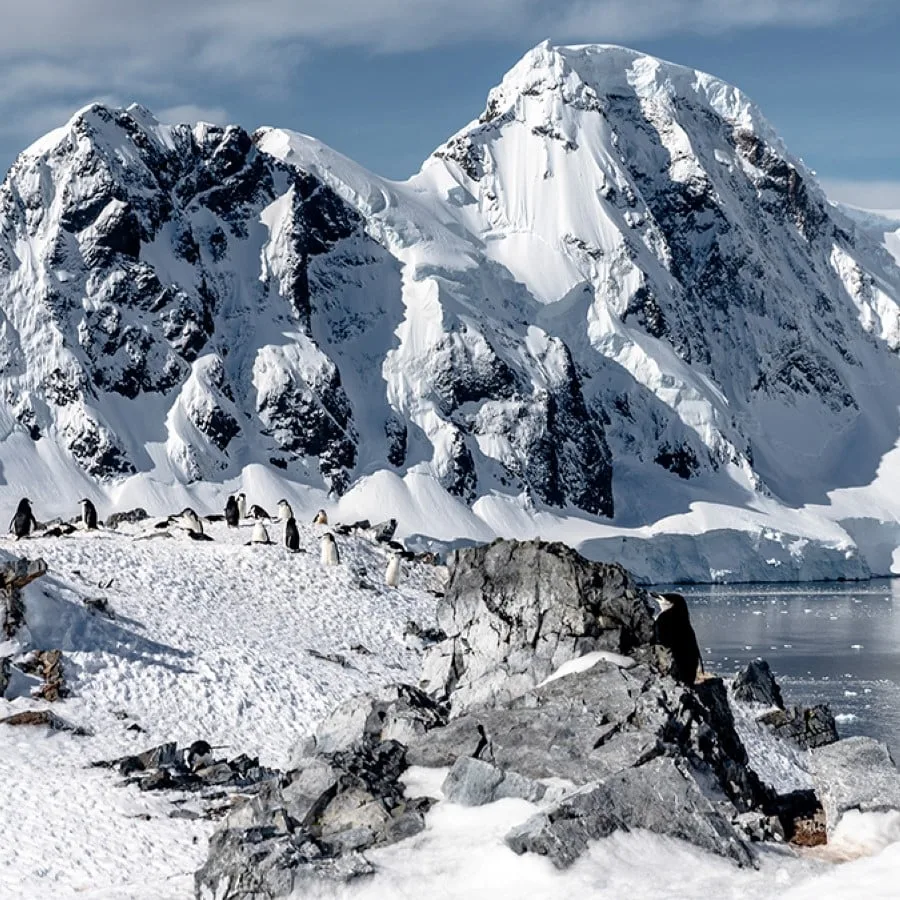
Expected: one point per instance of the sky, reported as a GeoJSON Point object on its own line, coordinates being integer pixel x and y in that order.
{"type": "Point", "coordinates": [387, 81]}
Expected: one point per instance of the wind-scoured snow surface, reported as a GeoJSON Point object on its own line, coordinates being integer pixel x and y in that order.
{"type": "Point", "coordinates": [613, 308]}
{"type": "Point", "coordinates": [210, 641]}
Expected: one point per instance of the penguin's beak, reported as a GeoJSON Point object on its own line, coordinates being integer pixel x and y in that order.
{"type": "Point", "coordinates": [662, 604]}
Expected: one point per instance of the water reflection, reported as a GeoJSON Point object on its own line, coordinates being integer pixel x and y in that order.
{"type": "Point", "coordinates": [834, 643]}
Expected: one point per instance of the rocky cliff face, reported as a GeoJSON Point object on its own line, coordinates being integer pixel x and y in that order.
{"type": "Point", "coordinates": [617, 275]}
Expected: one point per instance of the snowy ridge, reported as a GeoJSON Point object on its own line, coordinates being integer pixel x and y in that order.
{"type": "Point", "coordinates": [612, 308]}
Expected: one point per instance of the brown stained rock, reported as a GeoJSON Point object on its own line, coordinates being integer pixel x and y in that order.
{"type": "Point", "coordinates": [810, 832]}
{"type": "Point", "coordinates": [44, 717]}
{"type": "Point", "coordinates": [14, 575]}
{"type": "Point", "coordinates": [47, 665]}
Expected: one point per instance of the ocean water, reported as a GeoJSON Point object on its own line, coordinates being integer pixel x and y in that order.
{"type": "Point", "coordinates": [826, 643]}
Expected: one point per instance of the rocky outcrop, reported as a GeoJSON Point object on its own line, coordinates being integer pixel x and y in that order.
{"type": "Point", "coordinates": [15, 573]}
{"type": "Point", "coordinates": [855, 773]}
{"type": "Point", "coordinates": [662, 796]}
{"type": "Point", "coordinates": [515, 612]}
{"type": "Point", "coordinates": [533, 698]}
{"type": "Point", "coordinates": [807, 727]}
{"type": "Point", "coordinates": [756, 684]}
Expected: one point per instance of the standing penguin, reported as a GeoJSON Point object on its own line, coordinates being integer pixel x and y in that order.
{"type": "Point", "coordinates": [242, 505]}
{"type": "Point", "coordinates": [88, 515]}
{"type": "Point", "coordinates": [674, 630]}
{"type": "Point", "coordinates": [232, 513]}
{"type": "Point", "coordinates": [284, 511]}
{"type": "Point", "coordinates": [330, 555]}
{"type": "Point", "coordinates": [291, 535]}
{"type": "Point", "coordinates": [320, 518]}
{"type": "Point", "coordinates": [392, 574]}
{"type": "Point", "coordinates": [23, 521]}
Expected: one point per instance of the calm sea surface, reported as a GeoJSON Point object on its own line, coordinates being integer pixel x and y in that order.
{"type": "Point", "coordinates": [832, 643]}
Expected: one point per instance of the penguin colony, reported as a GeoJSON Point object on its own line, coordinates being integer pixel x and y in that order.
{"type": "Point", "coordinates": [189, 523]}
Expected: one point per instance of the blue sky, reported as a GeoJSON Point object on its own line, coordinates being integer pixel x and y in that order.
{"type": "Point", "coordinates": [386, 81]}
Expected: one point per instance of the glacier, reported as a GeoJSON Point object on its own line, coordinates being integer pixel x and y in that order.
{"type": "Point", "coordinates": [613, 310]}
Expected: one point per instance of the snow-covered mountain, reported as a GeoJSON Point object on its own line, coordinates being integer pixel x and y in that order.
{"type": "Point", "coordinates": [613, 297]}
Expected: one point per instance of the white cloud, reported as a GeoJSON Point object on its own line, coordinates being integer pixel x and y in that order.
{"type": "Point", "coordinates": [863, 194]}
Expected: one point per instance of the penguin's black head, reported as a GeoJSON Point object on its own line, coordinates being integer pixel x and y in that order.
{"type": "Point", "coordinates": [671, 604]}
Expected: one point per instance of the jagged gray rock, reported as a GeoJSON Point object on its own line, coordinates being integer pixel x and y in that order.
{"type": "Point", "coordinates": [756, 684]}
{"type": "Point", "coordinates": [474, 782]}
{"type": "Point", "coordinates": [313, 823]}
{"type": "Point", "coordinates": [662, 796]}
{"type": "Point", "coordinates": [807, 727]}
{"type": "Point", "coordinates": [855, 773]}
{"type": "Point", "coordinates": [398, 712]}
{"type": "Point", "coordinates": [514, 612]}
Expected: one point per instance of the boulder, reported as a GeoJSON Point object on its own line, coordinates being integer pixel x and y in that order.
{"type": "Point", "coordinates": [15, 573]}
{"type": "Point", "coordinates": [474, 782]}
{"type": "Point", "coordinates": [399, 712]}
{"type": "Point", "coordinates": [514, 612]}
{"type": "Point", "coordinates": [807, 727]}
{"type": "Point", "coordinates": [662, 796]}
{"type": "Point", "coordinates": [130, 516]}
{"type": "Point", "coordinates": [756, 684]}
{"type": "Point", "coordinates": [855, 773]}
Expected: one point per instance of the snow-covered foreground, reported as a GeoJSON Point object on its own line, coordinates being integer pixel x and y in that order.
{"type": "Point", "coordinates": [209, 641]}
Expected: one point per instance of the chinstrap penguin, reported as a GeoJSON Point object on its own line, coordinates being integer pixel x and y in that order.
{"type": "Point", "coordinates": [330, 555]}
{"type": "Point", "coordinates": [232, 513]}
{"type": "Point", "coordinates": [284, 511]}
{"type": "Point", "coordinates": [242, 505]}
{"type": "Point", "coordinates": [291, 534]}
{"type": "Point", "coordinates": [260, 535]}
{"type": "Point", "coordinates": [393, 571]}
{"type": "Point", "coordinates": [88, 515]}
{"type": "Point", "coordinates": [23, 521]}
{"type": "Point", "coordinates": [674, 630]}
{"type": "Point", "coordinates": [257, 512]}
{"type": "Point", "coordinates": [320, 518]}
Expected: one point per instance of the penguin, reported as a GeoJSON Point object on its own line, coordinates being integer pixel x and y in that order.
{"type": "Point", "coordinates": [242, 505]}
{"type": "Point", "coordinates": [260, 535]}
{"type": "Point", "coordinates": [674, 630]}
{"type": "Point", "coordinates": [257, 512]}
{"type": "Point", "coordinates": [190, 521]}
{"type": "Point", "coordinates": [392, 574]}
{"type": "Point", "coordinates": [320, 518]}
{"type": "Point", "coordinates": [330, 555]}
{"type": "Point", "coordinates": [88, 515]}
{"type": "Point", "coordinates": [197, 755]}
{"type": "Point", "coordinates": [284, 511]}
{"type": "Point", "coordinates": [23, 521]}
{"type": "Point", "coordinates": [232, 513]}
{"type": "Point", "coordinates": [291, 535]}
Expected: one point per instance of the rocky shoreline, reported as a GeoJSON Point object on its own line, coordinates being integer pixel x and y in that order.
{"type": "Point", "coordinates": [549, 687]}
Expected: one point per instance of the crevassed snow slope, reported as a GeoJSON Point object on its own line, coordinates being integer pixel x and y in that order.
{"type": "Point", "coordinates": [612, 307]}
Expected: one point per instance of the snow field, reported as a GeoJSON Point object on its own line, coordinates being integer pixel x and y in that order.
{"type": "Point", "coordinates": [209, 642]}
